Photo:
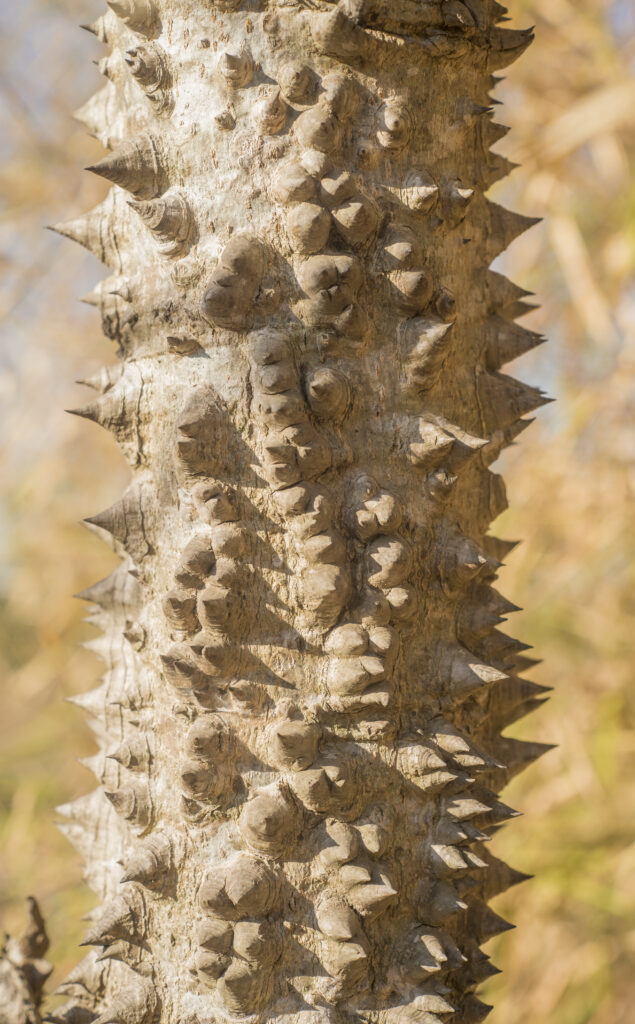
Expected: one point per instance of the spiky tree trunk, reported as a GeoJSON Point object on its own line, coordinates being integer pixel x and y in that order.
{"type": "Point", "coordinates": [300, 722]}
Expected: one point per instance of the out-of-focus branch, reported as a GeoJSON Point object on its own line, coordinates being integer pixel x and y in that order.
{"type": "Point", "coordinates": [23, 971]}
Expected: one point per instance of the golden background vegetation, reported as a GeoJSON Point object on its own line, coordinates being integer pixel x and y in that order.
{"type": "Point", "coordinates": [571, 103]}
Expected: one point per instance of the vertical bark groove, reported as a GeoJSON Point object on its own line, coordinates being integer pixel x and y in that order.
{"type": "Point", "coordinates": [300, 723]}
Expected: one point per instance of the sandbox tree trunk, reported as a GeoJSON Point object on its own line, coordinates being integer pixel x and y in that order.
{"type": "Point", "coordinates": [300, 722]}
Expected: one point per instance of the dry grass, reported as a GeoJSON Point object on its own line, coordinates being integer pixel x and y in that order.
{"type": "Point", "coordinates": [571, 103]}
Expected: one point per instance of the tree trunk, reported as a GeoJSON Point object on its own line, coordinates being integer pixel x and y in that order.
{"type": "Point", "coordinates": [300, 722]}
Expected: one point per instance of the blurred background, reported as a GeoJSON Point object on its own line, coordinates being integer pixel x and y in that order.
{"type": "Point", "coordinates": [571, 104]}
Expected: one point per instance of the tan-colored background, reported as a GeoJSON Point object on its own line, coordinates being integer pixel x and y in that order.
{"type": "Point", "coordinates": [571, 103]}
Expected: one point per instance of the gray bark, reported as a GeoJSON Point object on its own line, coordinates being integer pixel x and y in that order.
{"type": "Point", "coordinates": [300, 723]}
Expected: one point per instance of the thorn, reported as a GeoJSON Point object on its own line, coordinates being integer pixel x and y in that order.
{"type": "Point", "coordinates": [505, 400]}
{"type": "Point", "coordinates": [133, 166]}
{"type": "Point", "coordinates": [97, 28]}
{"type": "Point", "coordinates": [88, 412]}
{"type": "Point", "coordinates": [505, 226]}
{"type": "Point", "coordinates": [524, 664]}
{"type": "Point", "coordinates": [92, 702]}
{"type": "Point", "coordinates": [92, 231]}
{"type": "Point", "coordinates": [518, 754]}
{"type": "Point", "coordinates": [507, 45]}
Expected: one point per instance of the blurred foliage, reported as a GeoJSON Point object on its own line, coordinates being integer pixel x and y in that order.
{"type": "Point", "coordinates": [571, 483]}
{"type": "Point", "coordinates": [571, 103]}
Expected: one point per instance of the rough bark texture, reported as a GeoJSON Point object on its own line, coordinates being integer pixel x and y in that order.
{"type": "Point", "coordinates": [300, 722]}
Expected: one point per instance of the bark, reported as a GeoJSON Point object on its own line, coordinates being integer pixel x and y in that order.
{"type": "Point", "coordinates": [300, 722]}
